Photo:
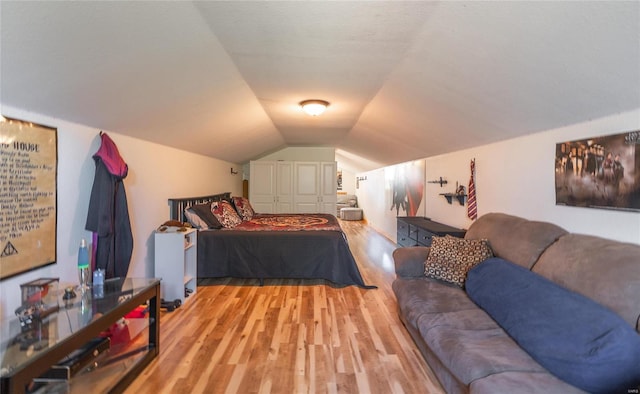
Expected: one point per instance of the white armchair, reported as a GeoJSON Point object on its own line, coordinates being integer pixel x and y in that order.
{"type": "Point", "coordinates": [346, 201]}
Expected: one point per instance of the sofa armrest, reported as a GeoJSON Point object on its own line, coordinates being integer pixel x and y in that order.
{"type": "Point", "coordinates": [409, 261]}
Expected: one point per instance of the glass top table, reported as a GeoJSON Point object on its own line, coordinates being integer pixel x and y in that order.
{"type": "Point", "coordinates": [26, 352]}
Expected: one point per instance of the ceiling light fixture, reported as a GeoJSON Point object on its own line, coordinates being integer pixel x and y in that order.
{"type": "Point", "coordinates": [314, 107]}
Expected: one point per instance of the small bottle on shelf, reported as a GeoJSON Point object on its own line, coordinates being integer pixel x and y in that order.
{"type": "Point", "coordinates": [84, 272]}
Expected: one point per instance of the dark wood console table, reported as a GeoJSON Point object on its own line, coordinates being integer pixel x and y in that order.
{"type": "Point", "coordinates": [418, 231]}
{"type": "Point", "coordinates": [26, 353]}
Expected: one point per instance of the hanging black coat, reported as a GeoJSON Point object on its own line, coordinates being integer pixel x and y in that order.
{"type": "Point", "coordinates": [108, 215]}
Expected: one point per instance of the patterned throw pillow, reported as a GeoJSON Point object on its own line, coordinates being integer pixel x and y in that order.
{"type": "Point", "coordinates": [225, 213]}
{"type": "Point", "coordinates": [243, 207]}
{"type": "Point", "coordinates": [450, 258]}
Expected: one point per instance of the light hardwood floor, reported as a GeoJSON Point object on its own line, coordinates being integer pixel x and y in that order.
{"type": "Point", "coordinates": [292, 336]}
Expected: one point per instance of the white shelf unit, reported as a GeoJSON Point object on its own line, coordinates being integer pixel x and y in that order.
{"type": "Point", "coordinates": [176, 256]}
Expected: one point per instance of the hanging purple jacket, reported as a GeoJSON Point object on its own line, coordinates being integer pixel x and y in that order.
{"type": "Point", "coordinates": [108, 215]}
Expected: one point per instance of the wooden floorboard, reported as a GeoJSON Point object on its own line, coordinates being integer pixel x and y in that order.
{"type": "Point", "coordinates": [292, 336]}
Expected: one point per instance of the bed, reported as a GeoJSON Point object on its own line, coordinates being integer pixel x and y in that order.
{"type": "Point", "coordinates": [274, 246]}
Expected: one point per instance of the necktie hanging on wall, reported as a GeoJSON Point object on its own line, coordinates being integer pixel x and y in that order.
{"type": "Point", "coordinates": [472, 209]}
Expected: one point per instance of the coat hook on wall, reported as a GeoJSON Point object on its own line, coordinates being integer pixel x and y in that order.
{"type": "Point", "coordinates": [233, 172]}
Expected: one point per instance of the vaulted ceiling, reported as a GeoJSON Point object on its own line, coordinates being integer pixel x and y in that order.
{"type": "Point", "coordinates": [406, 80]}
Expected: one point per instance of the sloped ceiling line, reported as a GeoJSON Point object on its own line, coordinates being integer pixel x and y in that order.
{"type": "Point", "coordinates": [406, 80]}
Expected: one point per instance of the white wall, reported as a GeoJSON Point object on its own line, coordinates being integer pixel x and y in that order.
{"type": "Point", "coordinates": [375, 197]}
{"type": "Point", "coordinates": [376, 206]}
{"type": "Point", "coordinates": [348, 181]}
{"type": "Point", "coordinates": [295, 154]}
{"type": "Point", "coordinates": [303, 154]}
{"type": "Point", "coordinates": [156, 173]}
{"type": "Point", "coordinates": [516, 177]}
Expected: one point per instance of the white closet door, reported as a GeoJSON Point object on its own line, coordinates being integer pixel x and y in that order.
{"type": "Point", "coordinates": [328, 187]}
{"type": "Point", "coordinates": [306, 187]}
{"type": "Point", "coordinates": [262, 186]}
{"type": "Point", "coordinates": [284, 187]}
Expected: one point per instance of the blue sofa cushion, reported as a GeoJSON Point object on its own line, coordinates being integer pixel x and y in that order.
{"type": "Point", "coordinates": [573, 337]}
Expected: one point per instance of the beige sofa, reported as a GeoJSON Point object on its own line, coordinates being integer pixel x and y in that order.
{"type": "Point", "coordinates": [468, 351]}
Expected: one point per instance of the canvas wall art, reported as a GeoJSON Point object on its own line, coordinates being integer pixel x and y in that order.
{"type": "Point", "coordinates": [601, 172]}
{"type": "Point", "coordinates": [406, 187]}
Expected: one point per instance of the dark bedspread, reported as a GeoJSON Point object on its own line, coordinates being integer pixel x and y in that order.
{"type": "Point", "coordinates": [311, 252]}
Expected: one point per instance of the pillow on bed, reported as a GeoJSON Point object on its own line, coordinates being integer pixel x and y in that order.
{"type": "Point", "coordinates": [195, 220]}
{"type": "Point", "coordinates": [225, 213]}
{"type": "Point", "coordinates": [243, 207]}
{"type": "Point", "coordinates": [572, 336]}
{"type": "Point", "coordinates": [201, 217]}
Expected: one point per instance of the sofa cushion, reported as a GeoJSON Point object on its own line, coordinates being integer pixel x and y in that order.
{"type": "Point", "coordinates": [409, 262]}
{"type": "Point", "coordinates": [350, 200]}
{"type": "Point", "coordinates": [515, 239]}
{"type": "Point", "coordinates": [450, 258]}
{"type": "Point", "coordinates": [522, 383]}
{"type": "Point", "coordinates": [470, 353]}
{"type": "Point", "coordinates": [420, 296]}
{"type": "Point", "coordinates": [597, 268]}
{"type": "Point", "coordinates": [427, 304]}
{"type": "Point", "coordinates": [575, 338]}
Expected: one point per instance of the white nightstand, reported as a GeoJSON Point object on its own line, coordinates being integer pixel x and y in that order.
{"type": "Point", "coordinates": [176, 256]}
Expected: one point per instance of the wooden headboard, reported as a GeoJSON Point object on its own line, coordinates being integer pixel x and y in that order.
{"type": "Point", "coordinates": [178, 205]}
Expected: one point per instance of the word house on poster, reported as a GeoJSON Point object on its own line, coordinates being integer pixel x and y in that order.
{"type": "Point", "coordinates": [28, 196]}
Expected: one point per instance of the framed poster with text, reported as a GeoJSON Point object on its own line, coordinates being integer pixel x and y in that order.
{"type": "Point", "coordinates": [28, 196]}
